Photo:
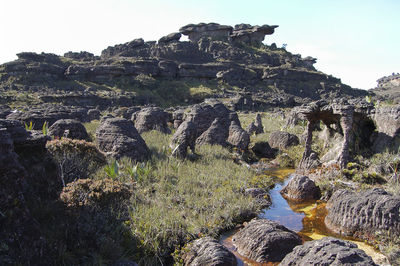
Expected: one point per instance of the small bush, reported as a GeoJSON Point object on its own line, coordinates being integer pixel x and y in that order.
{"type": "Point", "coordinates": [76, 158]}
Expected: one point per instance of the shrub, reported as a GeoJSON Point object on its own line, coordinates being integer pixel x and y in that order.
{"type": "Point", "coordinates": [76, 158]}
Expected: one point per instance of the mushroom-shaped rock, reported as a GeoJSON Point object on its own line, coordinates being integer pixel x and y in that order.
{"type": "Point", "coordinates": [212, 30]}
{"type": "Point", "coordinates": [282, 140]}
{"type": "Point", "coordinates": [350, 213]}
{"type": "Point", "coordinates": [327, 251]}
{"type": "Point", "coordinates": [252, 35]}
{"type": "Point", "coordinates": [238, 137]}
{"type": "Point", "coordinates": [207, 251]}
{"type": "Point", "coordinates": [263, 240]}
{"type": "Point", "coordinates": [117, 137]}
{"type": "Point", "coordinates": [151, 118]}
{"type": "Point", "coordinates": [301, 188]}
{"type": "Point", "coordinates": [69, 128]}
{"type": "Point", "coordinates": [175, 36]}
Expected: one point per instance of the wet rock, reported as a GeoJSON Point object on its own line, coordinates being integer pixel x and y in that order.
{"type": "Point", "coordinates": [327, 251]}
{"type": "Point", "coordinates": [117, 137]}
{"type": "Point", "coordinates": [263, 240]}
{"type": "Point", "coordinates": [359, 213]}
{"type": "Point", "coordinates": [263, 150]}
{"type": "Point", "coordinates": [207, 251]}
{"type": "Point", "coordinates": [255, 127]}
{"type": "Point", "coordinates": [151, 118]}
{"type": "Point", "coordinates": [68, 128]}
{"type": "Point", "coordinates": [301, 188]}
{"type": "Point", "coordinates": [238, 137]}
{"type": "Point", "coordinates": [216, 134]}
{"type": "Point", "coordinates": [282, 140]}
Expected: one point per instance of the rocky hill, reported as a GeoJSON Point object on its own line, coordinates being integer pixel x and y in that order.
{"type": "Point", "coordinates": [219, 61]}
{"type": "Point", "coordinates": [388, 89]}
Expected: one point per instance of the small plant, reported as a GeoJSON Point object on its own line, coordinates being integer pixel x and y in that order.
{"type": "Point", "coordinates": [45, 128]}
{"type": "Point", "coordinates": [29, 126]}
{"type": "Point", "coordinates": [112, 170]}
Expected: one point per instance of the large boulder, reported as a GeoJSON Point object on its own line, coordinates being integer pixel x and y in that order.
{"type": "Point", "coordinates": [216, 134]}
{"type": "Point", "coordinates": [207, 251]}
{"type": "Point", "coordinates": [118, 138]}
{"type": "Point", "coordinates": [263, 240]}
{"type": "Point", "coordinates": [151, 118]}
{"type": "Point", "coordinates": [238, 137]}
{"type": "Point", "coordinates": [327, 251]}
{"type": "Point", "coordinates": [172, 37]}
{"type": "Point", "coordinates": [301, 188]}
{"type": "Point", "coordinates": [263, 150]}
{"type": "Point", "coordinates": [352, 213]}
{"type": "Point", "coordinates": [69, 128]}
{"type": "Point", "coordinates": [282, 140]}
{"type": "Point", "coordinates": [4, 111]}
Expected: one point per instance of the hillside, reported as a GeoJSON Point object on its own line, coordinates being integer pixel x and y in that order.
{"type": "Point", "coordinates": [217, 61]}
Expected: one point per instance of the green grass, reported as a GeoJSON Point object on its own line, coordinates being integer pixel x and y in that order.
{"type": "Point", "coordinates": [177, 201]}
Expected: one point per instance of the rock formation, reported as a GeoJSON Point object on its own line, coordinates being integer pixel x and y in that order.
{"type": "Point", "coordinates": [301, 188]}
{"type": "Point", "coordinates": [68, 128]}
{"type": "Point", "coordinates": [327, 251]}
{"type": "Point", "coordinates": [151, 118]}
{"type": "Point", "coordinates": [282, 140]}
{"type": "Point", "coordinates": [263, 240]}
{"type": "Point", "coordinates": [117, 137]}
{"type": "Point", "coordinates": [361, 213]}
{"type": "Point", "coordinates": [207, 251]}
{"type": "Point", "coordinates": [255, 127]}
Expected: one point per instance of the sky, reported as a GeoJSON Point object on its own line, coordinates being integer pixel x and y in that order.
{"type": "Point", "coordinates": [357, 41]}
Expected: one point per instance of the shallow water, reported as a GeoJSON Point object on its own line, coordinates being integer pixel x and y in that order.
{"type": "Point", "coordinates": [306, 218]}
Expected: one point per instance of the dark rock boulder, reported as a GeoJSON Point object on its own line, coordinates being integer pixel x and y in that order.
{"type": "Point", "coordinates": [117, 137]}
{"type": "Point", "coordinates": [255, 127]}
{"type": "Point", "coordinates": [68, 128]}
{"type": "Point", "coordinates": [282, 140]}
{"type": "Point", "coordinates": [126, 112]}
{"type": "Point", "coordinates": [216, 134]}
{"type": "Point", "coordinates": [184, 137]}
{"type": "Point", "coordinates": [301, 188]}
{"type": "Point", "coordinates": [351, 213]}
{"type": "Point", "coordinates": [263, 150]}
{"type": "Point", "coordinates": [207, 251]}
{"type": "Point", "coordinates": [93, 114]}
{"type": "Point", "coordinates": [151, 118]}
{"type": "Point", "coordinates": [177, 117]}
{"type": "Point", "coordinates": [327, 251]}
{"type": "Point", "coordinates": [172, 37]}
{"type": "Point", "coordinates": [126, 49]}
{"type": "Point", "coordinates": [263, 240]}
{"type": "Point", "coordinates": [251, 35]}
{"type": "Point", "coordinates": [238, 137]}
{"type": "Point", "coordinates": [4, 111]}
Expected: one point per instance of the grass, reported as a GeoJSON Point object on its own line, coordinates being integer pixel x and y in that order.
{"type": "Point", "coordinates": [177, 201]}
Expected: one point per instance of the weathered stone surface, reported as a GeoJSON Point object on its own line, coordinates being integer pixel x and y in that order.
{"type": "Point", "coordinates": [4, 111]}
{"type": "Point", "coordinates": [126, 112]}
{"type": "Point", "coordinates": [49, 114]}
{"type": "Point", "coordinates": [387, 120]}
{"type": "Point", "coordinates": [84, 56]}
{"type": "Point", "coordinates": [207, 251]}
{"type": "Point", "coordinates": [170, 38]}
{"type": "Point", "coordinates": [207, 70]}
{"type": "Point", "coordinates": [151, 118]}
{"type": "Point", "coordinates": [255, 127]}
{"type": "Point", "coordinates": [126, 49]}
{"type": "Point", "coordinates": [68, 128]}
{"type": "Point", "coordinates": [213, 30]}
{"type": "Point", "coordinates": [282, 140]}
{"type": "Point", "coordinates": [252, 35]}
{"type": "Point", "coordinates": [352, 213]}
{"type": "Point", "coordinates": [117, 137]}
{"type": "Point", "coordinates": [216, 134]}
{"type": "Point", "coordinates": [263, 240]}
{"type": "Point", "coordinates": [301, 188]}
{"type": "Point", "coordinates": [238, 137]}
{"type": "Point", "coordinates": [93, 114]}
{"type": "Point", "coordinates": [184, 137]}
{"type": "Point", "coordinates": [327, 251]}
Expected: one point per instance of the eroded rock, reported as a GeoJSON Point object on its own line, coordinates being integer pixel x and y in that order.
{"type": "Point", "coordinates": [151, 118]}
{"type": "Point", "coordinates": [282, 140]}
{"type": "Point", "coordinates": [301, 188]}
{"type": "Point", "coordinates": [68, 128]}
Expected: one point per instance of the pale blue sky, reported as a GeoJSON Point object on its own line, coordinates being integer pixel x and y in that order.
{"type": "Point", "coordinates": [357, 41]}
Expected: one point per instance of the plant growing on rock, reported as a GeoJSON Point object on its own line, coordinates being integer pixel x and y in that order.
{"type": "Point", "coordinates": [76, 158]}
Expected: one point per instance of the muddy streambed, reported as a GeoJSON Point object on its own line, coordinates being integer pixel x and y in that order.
{"type": "Point", "coordinates": [306, 218]}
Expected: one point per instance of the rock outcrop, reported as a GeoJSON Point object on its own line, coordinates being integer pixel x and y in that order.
{"type": "Point", "coordinates": [213, 30]}
{"type": "Point", "coordinates": [238, 137]}
{"type": "Point", "coordinates": [351, 213]}
{"type": "Point", "coordinates": [255, 127]}
{"type": "Point", "coordinates": [207, 251]}
{"type": "Point", "coordinates": [327, 251]}
{"type": "Point", "coordinates": [282, 140]}
{"type": "Point", "coordinates": [118, 138]}
{"type": "Point", "coordinates": [263, 150]}
{"type": "Point", "coordinates": [151, 118]}
{"type": "Point", "coordinates": [301, 188]}
{"type": "Point", "coordinates": [68, 128]}
{"type": "Point", "coordinates": [252, 35]}
{"type": "Point", "coordinates": [263, 240]}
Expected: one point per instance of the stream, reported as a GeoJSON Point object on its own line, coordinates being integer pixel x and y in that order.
{"type": "Point", "coordinates": [305, 218]}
